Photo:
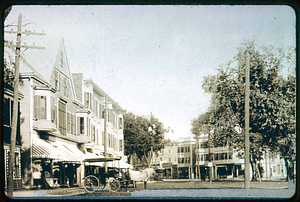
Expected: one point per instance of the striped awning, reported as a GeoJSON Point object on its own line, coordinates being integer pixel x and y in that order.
{"type": "Point", "coordinates": [58, 152]}
{"type": "Point", "coordinates": [72, 154]}
{"type": "Point", "coordinates": [43, 150]}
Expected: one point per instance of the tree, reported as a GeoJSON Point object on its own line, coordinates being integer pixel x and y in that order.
{"type": "Point", "coordinates": [142, 136]}
{"type": "Point", "coordinates": [8, 75]}
{"type": "Point", "coordinates": [272, 103]}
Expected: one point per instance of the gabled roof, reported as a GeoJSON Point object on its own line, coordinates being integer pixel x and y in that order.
{"type": "Point", "coordinates": [40, 62]}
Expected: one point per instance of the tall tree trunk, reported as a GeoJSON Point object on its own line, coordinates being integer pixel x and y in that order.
{"type": "Point", "coordinates": [258, 172]}
{"type": "Point", "coordinates": [287, 169]}
{"type": "Point", "coordinates": [252, 167]}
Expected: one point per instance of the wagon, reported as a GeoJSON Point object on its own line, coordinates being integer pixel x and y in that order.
{"type": "Point", "coordinates": [116, 177]}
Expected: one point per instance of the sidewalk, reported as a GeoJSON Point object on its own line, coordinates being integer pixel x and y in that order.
{"type": "Point", "coordinates": [56, 192]}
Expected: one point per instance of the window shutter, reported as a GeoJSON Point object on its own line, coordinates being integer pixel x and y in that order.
{"type": "Point", "coordinates": [68, 121]}
{"type": "Point", "coordinates": [88, 128]}
{"type": "Point", "coordinates": [52, 109]}
{"type": "Point", "coordinates": [78, 126]}
{"type": "Point", "coordinates": [43, 105]}
{"type": "Point", "coordinates": [37, 107]}
{"type": "Point", "coordinates": [60, 82]}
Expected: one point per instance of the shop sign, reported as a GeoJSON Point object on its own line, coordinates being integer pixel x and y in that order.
{"type": "Point", "coordinates": [167, 165]}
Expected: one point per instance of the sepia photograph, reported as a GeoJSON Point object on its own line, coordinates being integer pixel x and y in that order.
{"type": "Point", "coordinates": [149, 102]}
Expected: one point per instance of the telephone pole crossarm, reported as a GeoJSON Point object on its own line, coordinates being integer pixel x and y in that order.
{"type": "Point", "coordinates": [23, 46]}
{"type": "Point", "coordinates": [26, 32]}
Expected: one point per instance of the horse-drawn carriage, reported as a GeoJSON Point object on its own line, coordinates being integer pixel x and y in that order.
{"type": "Point", "coordinates": [115, 178]}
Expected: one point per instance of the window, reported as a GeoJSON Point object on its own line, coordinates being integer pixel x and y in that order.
{"type": "Point", "coordinates": [206, 157]}
{"type": "Point", "coordinates": [17, 165]}
{"type": "Point", "coordinates": [80, 125]}
{"type": "Point", "coordinates": [93, 133]}
{"type": "Point", "coordinates": [7, 115]}
{"type": "Point", "coordinates": [120, 123]}
{"type": "Point", "coordinates": [62, 117]}
{"type": "Point", "coordinates": [180, 160]}
{"type": "Point", "coordinates": [230, 155]}
{"type": "Point", "coordinates": [120, 145]}
{"type": "Point", "coordinates": [66, 89]}
{"type": "Point", "coordinates": [88, 126]}
{"type": "Point", "coordinates": [187, 149]}
{"type": "Point", "coordinates": [182, 149]}
{"type": "Point", "coordinates": [56, 82]}
{"type": "Point", "coordinates": [40, 107]}
{"type": "Point", "coordinates": [204, 145]}
{"type": "Point", "coordinates": [109, 140]}
{"type": "Point", "coordinates": [216, 156]}
{"type": "Point", "coordinates": [188, 160]}
{"type": "Point", "coordinates": [73, 123]}
{"type": "Point", "coordinates": [225, 155]}
{"type": "Point", "coordinates": [108, 115]}
{"type": "Point", "coordinates": [86, 100]}
{"type": "Point", "coordinates": [169, 159]}
{"type": "Point", "coordinates": [53, 110]}
{"type": "Point", "coordinates": [201, 157]}
{"type": "Point", "coordinates": [102, 112]}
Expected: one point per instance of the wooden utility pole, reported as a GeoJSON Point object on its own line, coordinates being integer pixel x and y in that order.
{"type": "Point", "coordinates": [151, 157]}
{"type": "Point", "coordinates": [105, 135]}
{"type": "Point", "coordinates": [209, 159]}
{"type": "Point", "coordinates": [247, 92]}
{"type": "Point", "coordinates": [15, 111]}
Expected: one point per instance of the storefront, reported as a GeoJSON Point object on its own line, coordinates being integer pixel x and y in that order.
{"type": "Point", "coordinates": [58, 165]}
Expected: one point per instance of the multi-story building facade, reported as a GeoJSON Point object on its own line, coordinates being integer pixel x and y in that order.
{"type": "Point", "coordinates": [189, 159]}
{"type": "Point", "coordinates": [228, 162]}
{"type": "Point", "coordinates": [176, 159]}
{"type": "Point", "coordinates": [93, 98]}
{"type": "Point", "coordinates": [7, 121]}
{"type": "Point", "coordinates": [62, 119]}
{"type": "Point", "coordinates": [186, 159]}
{"type": "Point", "coordinates": [167, 160]}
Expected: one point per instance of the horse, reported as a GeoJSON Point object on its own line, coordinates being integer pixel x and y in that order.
{"type": "Point", "coordinates": [141, 176]}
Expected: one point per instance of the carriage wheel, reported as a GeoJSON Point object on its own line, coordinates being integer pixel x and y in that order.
{"type": "Point", "coordinates": [101, 185]}
{"type": "Point", "coordinates": [114, 185]}
{"type": "Point", "coordinates": [91, 183]}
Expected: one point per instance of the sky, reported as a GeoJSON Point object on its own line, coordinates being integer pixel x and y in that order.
{"type": "Point", "coordinates": [152, 59]}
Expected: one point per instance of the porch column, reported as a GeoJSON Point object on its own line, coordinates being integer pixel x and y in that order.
{"type": "Point", "coordinates": [216, 172]}
{"type": "Point", "coordinates": [80, 174]}
{"type": "Point", "coordinates": [193, 172]}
